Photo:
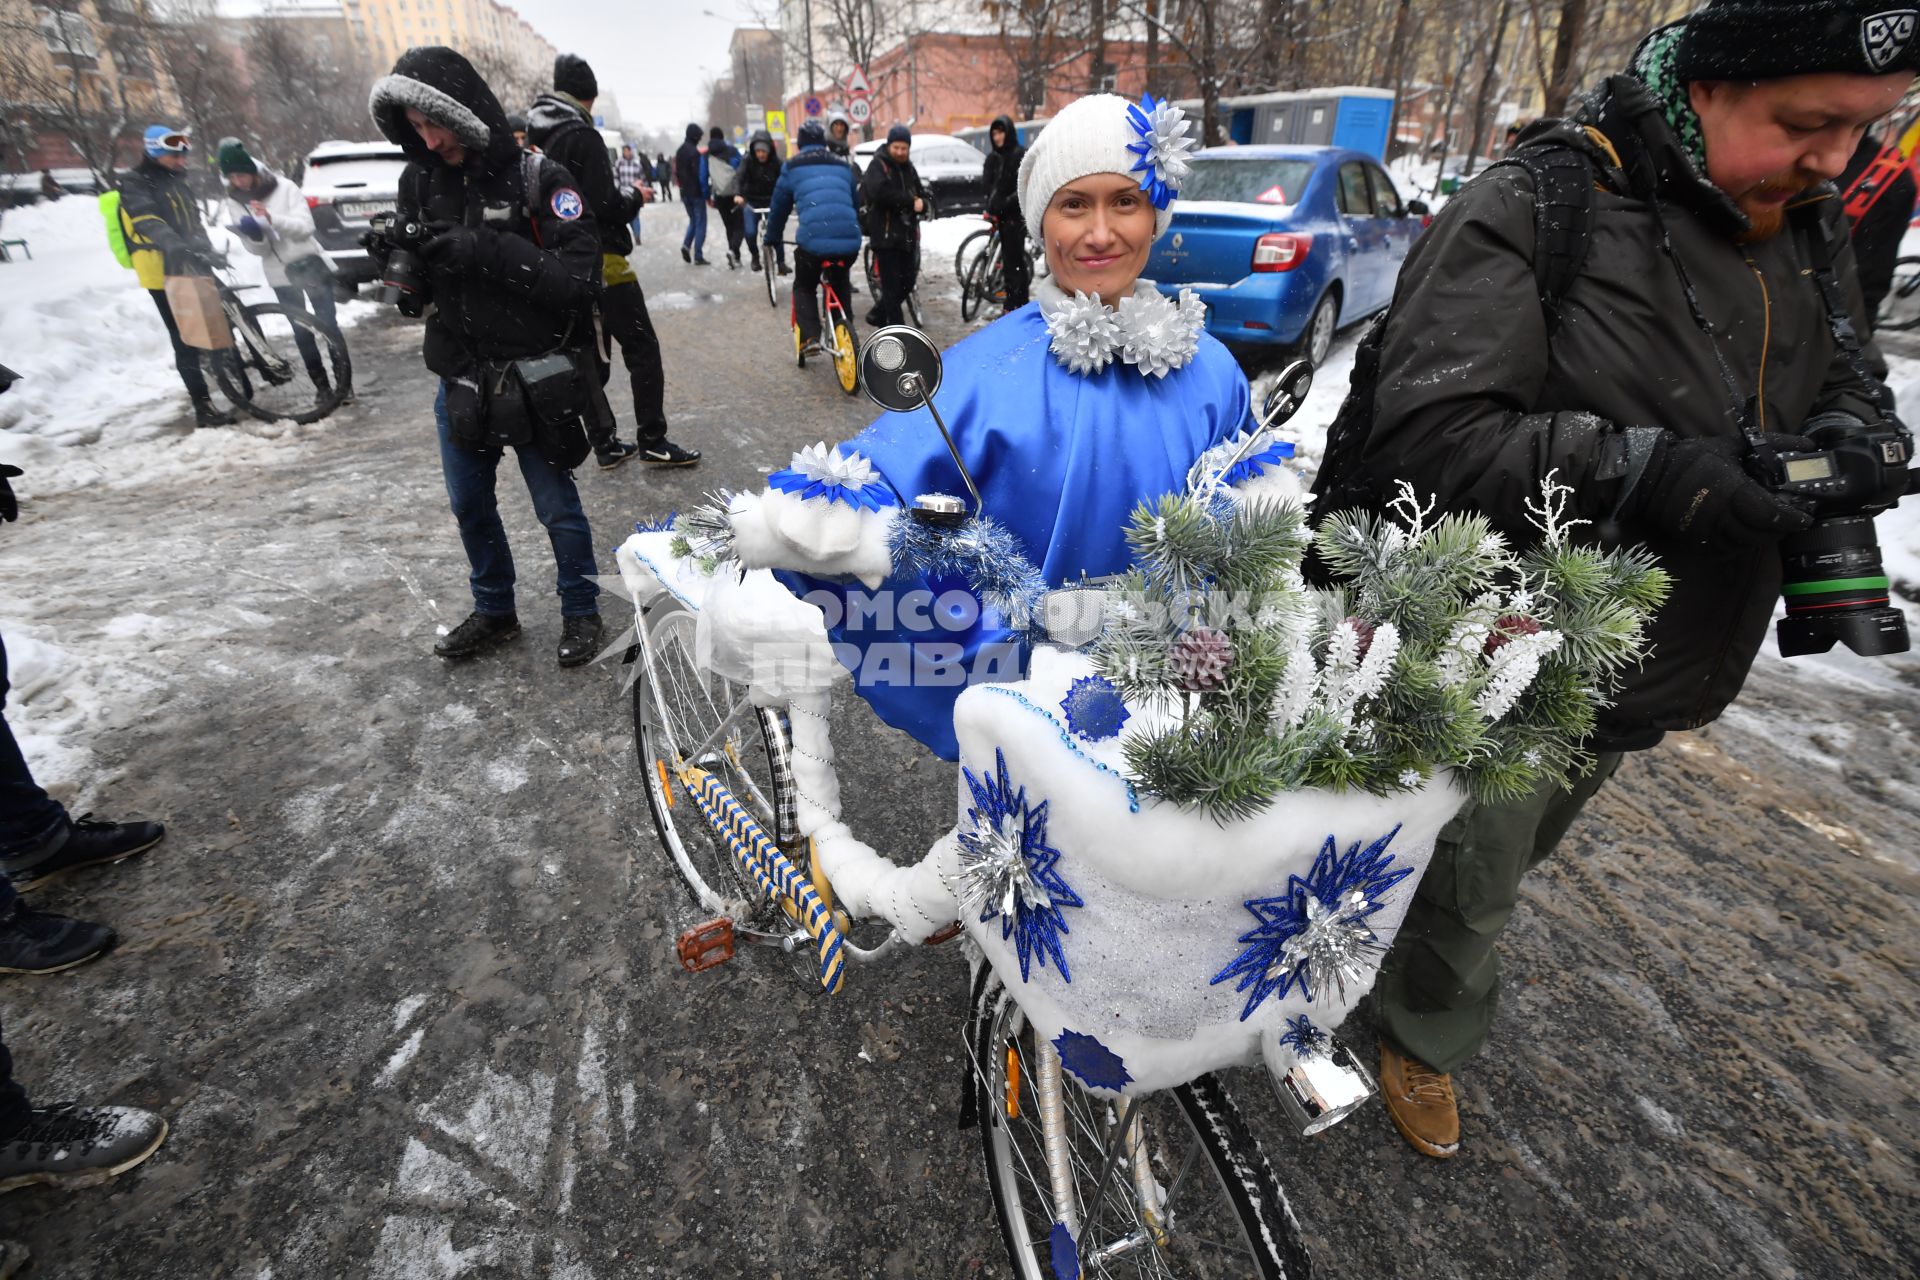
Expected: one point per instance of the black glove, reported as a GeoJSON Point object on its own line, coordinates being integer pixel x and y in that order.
{"type": "Point", "coordinates": [1698, 489]}
{"type": "Point", "coordinates": [9, 505]}
{"type": "Point", "coordinates": [458, 249]}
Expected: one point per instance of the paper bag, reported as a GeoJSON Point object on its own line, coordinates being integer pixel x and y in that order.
{"type": "Point", "coordinates": [195, 301]}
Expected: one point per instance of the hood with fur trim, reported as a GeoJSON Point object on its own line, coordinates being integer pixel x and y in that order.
{"type": "Point", "coordinates": [442, 86]}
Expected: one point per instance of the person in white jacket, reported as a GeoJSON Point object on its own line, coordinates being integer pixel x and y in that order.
{"type": "Point", "coordinates": [270, 215]}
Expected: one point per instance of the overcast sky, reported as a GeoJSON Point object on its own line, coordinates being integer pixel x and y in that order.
{"type": "Point", "coordinates": [654, 56]}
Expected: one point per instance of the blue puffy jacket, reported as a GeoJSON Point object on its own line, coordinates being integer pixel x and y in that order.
{"type": "Point", "coordinates": [820, 186]}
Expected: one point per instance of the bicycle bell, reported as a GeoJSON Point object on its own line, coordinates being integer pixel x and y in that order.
{"type": "Point", "coordinates": [900, 370]}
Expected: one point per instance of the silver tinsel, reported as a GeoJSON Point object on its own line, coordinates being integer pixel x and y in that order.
{"type": "Point", "coordinates": [708, 528]}
{"type": "Point", "coordinates": [1336, 946]}
{"type": "Point", "coordinates": [994, 874]}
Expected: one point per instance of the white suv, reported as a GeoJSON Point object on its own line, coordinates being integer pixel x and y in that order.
{"type": "Point", "coordinates": [345, 184]}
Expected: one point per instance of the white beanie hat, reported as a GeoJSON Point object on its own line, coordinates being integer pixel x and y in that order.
{"type": "Point", "coordinates": [1104, 133]}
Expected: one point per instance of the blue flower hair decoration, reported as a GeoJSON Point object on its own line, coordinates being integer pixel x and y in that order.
{"type": "Point", "coordinates": [1162, 149]}
{"type": "Point", "coordinates": [1259, 464]}
{"type": "Point", "coordinates": [819, 472]}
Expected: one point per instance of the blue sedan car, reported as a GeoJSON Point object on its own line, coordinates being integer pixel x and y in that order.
{"type": "Point", "coordinates": [1286, 244]}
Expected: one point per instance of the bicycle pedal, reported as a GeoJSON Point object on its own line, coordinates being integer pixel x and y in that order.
{"type": "Point", "coordinates": [705, 945]}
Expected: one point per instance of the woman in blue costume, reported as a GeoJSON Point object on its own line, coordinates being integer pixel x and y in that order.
{"type": "Point", "coordinates": [1069, 412]}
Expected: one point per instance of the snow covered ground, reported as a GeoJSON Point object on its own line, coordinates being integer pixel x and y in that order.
{"type": "Point", "coordinates": [99, 401]}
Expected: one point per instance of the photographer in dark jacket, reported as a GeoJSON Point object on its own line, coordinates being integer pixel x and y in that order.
{"type": "Point", "coordinates": [759, 174]}
{"type": "Point", "coordinates": [560, 124]}
{"type": "Point", "coordinates": [512, 268]}
{"type": "Point", "coordinates": [1694, 334]}
{"type": "Point", "coordinates": [1002, 175]}
{"type": "Point", "coordinates": [894, 201]}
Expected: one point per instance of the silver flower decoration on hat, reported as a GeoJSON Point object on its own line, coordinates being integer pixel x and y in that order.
{"type": "Point", "coordinates": [1083, 329]}
{"type": "Point", "coordinates": [1162, 150]}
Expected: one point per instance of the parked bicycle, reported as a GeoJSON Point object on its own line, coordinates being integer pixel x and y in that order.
{"type": "Point", "coordinates": [283, 364]}
{"type": "Point", "coordinates": [1166, 1184]}
{"type": "Point", "coordinates": [983, 278]}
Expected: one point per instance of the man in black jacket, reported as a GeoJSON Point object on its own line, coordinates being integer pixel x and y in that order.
{"type": "Point", "coordinates": [759, 173]}
{"type": "Point", "coordinates": [512, 271]}
{"type": "Point", "coordinates": [1002, 175]}
{"type": "Point", "coordinates": [560, 124]}
{"type": "Point", "coordinates": [1693, 338]}
{"type": "Point", "coordinates": [689, 174]}
{"type": "Point", "coordinates": [891, 192]}
{"type": "Point", "coordinates": [160, 219]}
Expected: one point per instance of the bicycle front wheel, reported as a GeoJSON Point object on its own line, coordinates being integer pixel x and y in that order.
{"type": "Point", "coordinates": [974, 288]}
{"type": "Point", "coordinates": [1900, 309]}
{"type": "Point", "coordinates": [973, 244]}
{"type": "Point", "coordinates": [283, 365]}
{"type": "Point", "coordinates": [766, 269]}
{"type": "Point", "coordinates": [1186, 1192]}
{"type": "Point", "coordinates": [846, 357]}
{"type": "Point", "coordinates": [682, 712]}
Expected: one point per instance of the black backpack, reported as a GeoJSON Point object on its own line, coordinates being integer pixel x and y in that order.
{"type": "Point", "coordinates": [1563, 186]}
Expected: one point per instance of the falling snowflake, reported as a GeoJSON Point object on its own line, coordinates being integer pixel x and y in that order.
{"type": "Point", "coordinates": [1315, 936]}
{"type": "Point", "coordinates": [1008, 870]}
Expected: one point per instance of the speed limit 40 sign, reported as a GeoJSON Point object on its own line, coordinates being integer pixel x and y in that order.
{"type": "Point", "coordinates": [860, 110]}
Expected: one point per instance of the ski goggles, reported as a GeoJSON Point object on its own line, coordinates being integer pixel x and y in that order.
{"type": "Point", "coordinates": [170, 142]}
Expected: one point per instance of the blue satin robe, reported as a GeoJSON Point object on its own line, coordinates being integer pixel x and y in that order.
{"type": "Point", "coordinates": [1061, 459]}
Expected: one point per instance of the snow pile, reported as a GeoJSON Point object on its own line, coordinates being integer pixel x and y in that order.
{"type": "Point", "coordinates": [94, 360]}
{"type": "Point", "coordinates": [940, 240]}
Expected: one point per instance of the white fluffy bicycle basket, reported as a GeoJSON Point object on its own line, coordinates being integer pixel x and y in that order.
{"type": "Point", "coordinates": [1171, 944]}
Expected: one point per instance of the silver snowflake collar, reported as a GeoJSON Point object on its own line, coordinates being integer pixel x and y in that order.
{"type": "Point", "coordinates": [1148, 330]}
{"type": "Point", "coordinates": [1162, 150]}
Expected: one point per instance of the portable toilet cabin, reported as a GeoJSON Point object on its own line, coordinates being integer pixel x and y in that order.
{"type": "Point", "coordinates": [1346, 116]}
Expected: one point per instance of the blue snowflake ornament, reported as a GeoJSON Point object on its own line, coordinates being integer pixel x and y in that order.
{"type": "Point", "coordinates": [1008, 870]}
{"type": "Point", "coordinates": [1095, 1065]}
{"type": "Point", "coordinates": [1303, 1037]}
{"type": "Point", "coordinates": [819, 472]}
{"type": "Point", "coordinates": [1094, 708]}
{"type": "Point", "coordinates": [663, 524]}
{"type": "Point", "coordinates": [1259, 464]}
{"type": "Point", "coordinates": [1315, 935]}
{"type": "Point", "coordinates": [1064, 1251]}
{"type": "Point", "coordinates": [1162, 150]}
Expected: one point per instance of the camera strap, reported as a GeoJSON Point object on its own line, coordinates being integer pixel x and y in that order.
{"type": "Point", "coordinates": [1806, 222]}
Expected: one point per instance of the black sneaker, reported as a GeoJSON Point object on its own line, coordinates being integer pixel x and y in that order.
{"type": "Point", "coordinates": [41, 942]}
{"type": "Point", "coordinates": [479, 633]}
{"type": "Point", "coordinates": [686, 254]}
{"type": "Point", "coordinates": [615, 453]}
{"type": "Point", "coordinates": [668, 454]}
{"type": "Point", "coordinates": [781, 268]}
{"type": "Point", "coordinates": [205, 415]}
{"type": "Point", "coordinates": [757, 268]}
{"type": "Point", "coordinates": [733, 260]}
{"type": "Point", "coordinates": [579, 640]}
{"type": "Point", "coordinates": [87, 842]}
{"type": "Point", "coordinates": [69, 1145]}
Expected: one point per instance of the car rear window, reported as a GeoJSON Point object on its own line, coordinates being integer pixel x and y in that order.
{"type": "Point", "coordinates": [949, 153]}
{"type": "Point", "coordinates": [1247, 181]}
{"type": "Point", "coordinates": [375, 173]}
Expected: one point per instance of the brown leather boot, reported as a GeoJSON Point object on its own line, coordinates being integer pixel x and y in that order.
{"type": "Point", "coordinates": [1420, 1100]}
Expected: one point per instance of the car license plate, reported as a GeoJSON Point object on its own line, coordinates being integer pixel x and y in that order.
{"type": "Point", "coordinates": [363, 208]}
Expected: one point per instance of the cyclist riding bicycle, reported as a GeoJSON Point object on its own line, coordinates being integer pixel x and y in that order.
{"type": "Point", "coordinates": [1068, 413]}
{"type": "Point", "coordinates": [817, 185]}
{"type": "Point", "coordinates": [759, 174]}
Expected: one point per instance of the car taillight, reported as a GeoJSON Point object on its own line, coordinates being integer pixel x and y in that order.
{"type": "Point", "coordinates": [1281, 251]}
{"type": "Point", "coordinates": [313, 202]}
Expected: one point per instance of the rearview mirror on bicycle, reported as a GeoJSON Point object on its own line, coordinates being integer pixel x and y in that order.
{"type": "Point", "coordinates": [900, 370]}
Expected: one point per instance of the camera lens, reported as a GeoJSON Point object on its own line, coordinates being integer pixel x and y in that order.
{"type": "Point", "coordinates": [1835, 587]}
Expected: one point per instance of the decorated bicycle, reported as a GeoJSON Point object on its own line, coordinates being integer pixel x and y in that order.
{"type": "Point", "coordinates": [1194, 792]}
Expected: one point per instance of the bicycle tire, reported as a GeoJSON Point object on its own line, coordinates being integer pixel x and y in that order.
{"type": "Point", "coordinates": [1899, 310]}
{"type": "Point", "coordinates": [249, 369]}
{"type": "Point", "coordinates": [1183, 1241]}
{"type": "Point", "coordinates": [960, 258]}
{"type": "Point", "coordinates": [772, 278]}
{"type": "Point", "coordinates": [676, 706]}
{"type": "Point", "coordinates": [913, 310]}
{"type": "Point", "coordinates": [846, 355]}
{"type": "Point", "coordinates": [973, 290]}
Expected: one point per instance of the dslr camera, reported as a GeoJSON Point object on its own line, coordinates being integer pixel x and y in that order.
{"type": "Point", "coordinates": [1833, 581]}
{"type": "Point", "coordinates": [403, 277]}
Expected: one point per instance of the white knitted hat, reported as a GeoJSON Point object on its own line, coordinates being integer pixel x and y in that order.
{"type": "Point", "coordinates": [1093, 135]}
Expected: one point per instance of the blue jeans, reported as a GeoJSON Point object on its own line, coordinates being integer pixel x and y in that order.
{"type": "Point", "coordinates": [634, 227]}
{"type": "Point", "coordinates": [469, 474]}
{"type": "Point", "coordinates": [28, 815]}
{"type": "Point", "coordinates": [696, 237]}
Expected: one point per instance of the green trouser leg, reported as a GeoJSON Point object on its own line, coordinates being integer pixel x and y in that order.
{"type": "Point", "coordinates": [1440, 984]}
